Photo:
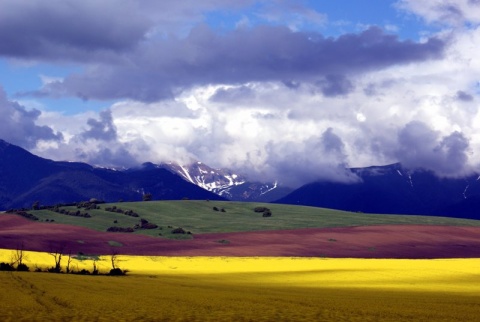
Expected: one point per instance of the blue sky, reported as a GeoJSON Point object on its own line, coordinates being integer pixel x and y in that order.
{"type": "Point", "coordinates": [276, 89]}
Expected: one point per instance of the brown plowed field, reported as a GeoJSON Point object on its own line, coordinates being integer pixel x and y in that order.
{"type": "Point", "coordinates": [394, 241]}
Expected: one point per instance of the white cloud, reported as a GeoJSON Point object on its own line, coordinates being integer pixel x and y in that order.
{"type": "Point", "coordinates": [451, 12]}
{"type": "Point", "coordinates": [269, 129]}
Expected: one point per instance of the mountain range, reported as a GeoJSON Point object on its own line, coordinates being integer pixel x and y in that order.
{"type": "Point", "coordinates": [391, 189]}
{"type": "Point", "coordinates": [26, 178]}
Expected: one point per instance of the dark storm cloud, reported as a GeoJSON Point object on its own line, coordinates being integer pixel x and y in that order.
{"type": "Point", "coordinates": [332, 143]}
{"type": "Point", "coordinates": [162, 68]}
{"type": "Point", "coordinates": [19, 125]}
{"type": "Point", "coordinates": [91, 30]}
{"type": "Point", "coordinates": [235, 94]}
{"type": "Point", "coordinates": [115, 157]}
{"type": "Point", "coordinates": [422, 147]}
{"type": "Point", "coordinates": [464, 96]}
{"type": "Point", "coordinates": [68, 30]}
{"type": "Point", "coordinates": [103, 129]}
{"type": "Point", "coordinates": [335, 85]}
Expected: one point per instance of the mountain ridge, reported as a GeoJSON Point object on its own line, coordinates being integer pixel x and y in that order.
{"type": "Point", "coordinates": [26, 178]}
{"type": "Point", "coordinates": [393, 189]}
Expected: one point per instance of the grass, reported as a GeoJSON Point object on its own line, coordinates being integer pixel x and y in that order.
{"type": "Point", "coordinates": [199, 217]}
{"type": "Point", "coordinates": [248, 289]}
{"type": "Point", "coordinates": [114, 243]}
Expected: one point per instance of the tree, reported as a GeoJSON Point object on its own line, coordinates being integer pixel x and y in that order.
{"type": "Point", "coordinates": [69, 260]}
{"type": "Point", "coordinates": [36, 205]}
{"type": "Point", "coordinates": [114, 261]}
{"type": "Point", "coordinates": [267, 213]}
{"type": "Point", "coordinates": [17, 258]}
{"type": "Point", "coordinates": [95, 269]}
{"type": "Point", "coordinates": [57, 255]}
{"type": "Point", "coordinates": [18, 255]}
{"type": "Point", "coordinates": [147, 197]}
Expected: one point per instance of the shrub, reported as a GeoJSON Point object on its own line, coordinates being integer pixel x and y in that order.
{"type": "Point", "coordinates": [215, 208]}
{"type": "Point", "coordinates": [120, 229]}
{"type": "Point", "coordinates": [179, 230]}
{"type": "Point", "coordinates": [261, 209]}
{"type": "Point", "coordinates": [144, 224]}
{"type": "Point", "coordinates": [131, 213]}
{"type": "Point", "coordinates": [6, 267]}
{"type": "Point", "coordinates": [149, 226]}
{"type": "Point", "coordinates": [26, 215]}
{"type": "Point", "coordinates": [116, 272]}
{"type": "Point", "coordinates": [54, 270]}
{"type": "Point", "coordinates": [22, 268]}
{"type": "Point", "coordinates": [267, 213]}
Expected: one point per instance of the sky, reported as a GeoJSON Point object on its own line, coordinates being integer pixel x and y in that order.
{"type": "Point", "coordinates": [291, 91]}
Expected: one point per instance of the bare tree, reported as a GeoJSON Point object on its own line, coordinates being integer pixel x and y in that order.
{"type": "Point", "coordinates": [36, 205]}
{"type": "Point", "coordinates": [147, 197]}
{"type": "Point", "coordinates": [18, 255]}
{"type": "Point", "coordinates": [17, 258]}
{"type": "Point", "coordinates": [95, 269]}
{"type": "Point", "coordinates": [114, 259]}
{"type": "Point", "coordinates": [69, 260]}
{"type": "Point", "coordinates": [115, 269]}
{"type": "Point", "coordinates": [57, 254]}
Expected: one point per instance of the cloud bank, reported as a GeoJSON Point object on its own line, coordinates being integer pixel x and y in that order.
{"type": "Point", "coordinates": [19, 125]}
{"type": "Point", "coordinates": [275, 102]}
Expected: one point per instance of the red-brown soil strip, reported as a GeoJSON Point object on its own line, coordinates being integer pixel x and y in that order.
{"type": "Point", "coordinates": [392, 241]}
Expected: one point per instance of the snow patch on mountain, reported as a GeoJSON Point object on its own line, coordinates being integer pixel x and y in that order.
{"type": "Point", "coordinates": [223, 182]}
{"type": "Point", "coordinates": [200, 174]}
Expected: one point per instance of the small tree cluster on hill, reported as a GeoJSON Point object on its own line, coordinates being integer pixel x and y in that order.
{"type": "Point", "coordinates": [130, 213]}
{"type": "Point", "coordinates": [25, 215]}
{"type": "Point", "coordinates": [115, 229]}
{"type": "Point", "coordinates": [89, 205]}
{"type": "Point", "coordinates": [36, 205]}
{"type": "Point", "coordinates": [266, 212]}
{"type": "Point", "coordinates": [74, 213]}
{"type": "Point", "coordinates": [180, 230]}
{"type": "Point", "coordinates": [144, 224]}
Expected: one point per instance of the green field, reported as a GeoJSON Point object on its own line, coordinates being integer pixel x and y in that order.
{"type": "Point", "coordinates": [199, 217]}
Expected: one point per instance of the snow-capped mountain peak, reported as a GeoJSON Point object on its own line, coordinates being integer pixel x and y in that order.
{"type": "Point", "coordinates": [211, 179]}
{"type": "Point", "coordinates": [226, 183]}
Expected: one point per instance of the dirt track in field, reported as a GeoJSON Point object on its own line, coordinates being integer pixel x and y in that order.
{"type": "Point", "coordinates": [393, 241]}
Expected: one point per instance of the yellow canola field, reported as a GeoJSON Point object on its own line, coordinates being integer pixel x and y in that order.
{"type": "Point", "coordinates": [244, 289]}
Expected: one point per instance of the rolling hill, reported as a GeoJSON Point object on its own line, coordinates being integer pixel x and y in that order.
{"type": "Point", "coordinates": [199, 217]}
{"type": "Point", "coordinates": [201, 228]}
